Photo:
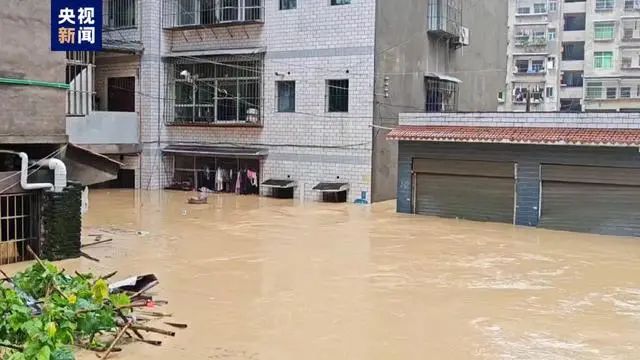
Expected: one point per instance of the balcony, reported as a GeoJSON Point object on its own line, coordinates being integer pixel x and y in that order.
{"type": "Point", "coordinates": [630, 30]}
{"type": "Point", "coordinates": [532, 7]}
{"type": "Point", "coordinates": [630, 59]}
{"type": "Point", "coordinates": [632, 5]}
{"type": "Point", "coordinates": [528, 66]}
{"type": "Point", "coordinates": [223, 91]}
{"type": "Point", "coordinates": [186, 14]}
{"type": "Point", "coordinates": [106, 132]}
{"type": "Point", "coordinates": [522, 91]}
{"type": "Point", "coordinates": [445, 18]}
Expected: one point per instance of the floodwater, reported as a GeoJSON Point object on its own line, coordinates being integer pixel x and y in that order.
{"type": "Point", "coordinates": [266, 279]}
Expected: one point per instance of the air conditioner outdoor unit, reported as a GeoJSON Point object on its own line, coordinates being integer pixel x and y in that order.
{"type": "Point", "coordinates": [464, 36]}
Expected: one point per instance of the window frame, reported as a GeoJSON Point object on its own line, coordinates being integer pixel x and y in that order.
{"type": "Point", "coordinates": [604, 5]}
{"type": "Point", "coordinates": [282, 2]}
{"type": "Point", "coordinates": [600, 58]}
{"type": "Point", "coordinates": [339, 2]}
{"type": "Point", "coordinates": [611, 32]}
{"type": "Point", "coordinates": [332, 89]}
{"type": "Point", "coordinates": [292, 100]}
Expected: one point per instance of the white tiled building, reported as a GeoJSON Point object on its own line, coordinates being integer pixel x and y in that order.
{"type": "Point", "coordinates": [293, 88]}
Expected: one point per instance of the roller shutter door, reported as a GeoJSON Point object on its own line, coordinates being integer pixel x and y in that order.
{"type": "Point", "coordinates": [472, 190]}
{"type": "Point", "coordinates": [601, 200]}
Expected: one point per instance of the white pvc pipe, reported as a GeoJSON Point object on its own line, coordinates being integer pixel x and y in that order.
{"type": "Point", "coordinates": [24, 167]}
{"type": "Point", "coordinates": [59, 172]}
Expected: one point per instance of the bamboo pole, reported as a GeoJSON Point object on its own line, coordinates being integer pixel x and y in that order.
{"type": "Point", "coordinates": [113, 343]}
{"type": "Point", "coordinates": [153, 330]}
{"type": "Point", "coordinates": [96, 243]}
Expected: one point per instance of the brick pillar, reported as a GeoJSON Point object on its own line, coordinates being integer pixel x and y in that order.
{"type": "Point", "coordinates": [61, 223]}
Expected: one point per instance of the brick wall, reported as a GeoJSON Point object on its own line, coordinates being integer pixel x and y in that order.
{"type": "Point", "coordinates": [61, 223]}
{"type": "Point", "coordinates": [547, 119]}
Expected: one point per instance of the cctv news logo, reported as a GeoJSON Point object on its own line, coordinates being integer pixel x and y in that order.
{"type": "Point", "coordinates": [76, 25]}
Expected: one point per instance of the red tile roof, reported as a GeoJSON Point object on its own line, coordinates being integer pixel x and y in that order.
{"type": "Point", "coordinates": [518, 135]}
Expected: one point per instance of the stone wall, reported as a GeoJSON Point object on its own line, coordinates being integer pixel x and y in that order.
{"type": "Point", "coordinates": [61, 223]}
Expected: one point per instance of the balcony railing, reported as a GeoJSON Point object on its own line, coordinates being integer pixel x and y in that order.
{"type": "Point", "coordinates": [207, 13]}
{"type": "Point", "coordinates": [445, 17]}
{"type": "Point", "coordinates": [214, 91]}
{"type": "Point", "coordinates": [120, 14]}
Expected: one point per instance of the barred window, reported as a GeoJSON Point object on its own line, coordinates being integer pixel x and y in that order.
{"type": "Point", "coordinates": [441, 95]}
{"type": "Point", "coordinates": [604, 4]}
{"type": "Point", "coordinates": [211, 90]}
{"type": "Point", "coordinates": [603, 60]}
{"type": "Point", "coordinates": [604, 31]}
{"type": "Point", "coordinates": [340, 2]}
{"type": "Point", "coordinates": [120, 14]}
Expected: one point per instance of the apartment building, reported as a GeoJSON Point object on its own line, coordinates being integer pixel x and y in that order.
{"type": "Point", "coordinates": [287, 93]}
{"type": "Point", "coordinates": [573, 55]}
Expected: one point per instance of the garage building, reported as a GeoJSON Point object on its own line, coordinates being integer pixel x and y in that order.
{"type": "Point", "coordinates": [575, 179]}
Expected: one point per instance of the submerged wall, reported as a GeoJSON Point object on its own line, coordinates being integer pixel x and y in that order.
{"type": "Point", "coordinates": [61, 223]}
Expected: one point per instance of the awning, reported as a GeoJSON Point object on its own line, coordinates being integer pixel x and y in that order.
{"type": "Point", "coordinates": [127, 47]}
{"type": "Point", "coordinates": [443, 77]}
{"type": "Point", "coordinates": [279, 184]}
{"type": "Point", "coordinates": [518, 135]}
{"type": "Point", "coordinates": [216, 151]}
{"type": "Point", "coordinates": [331, 187]}
{"type": "Point", "coordinates": [88, 167]}
{"type": "Point", "coordinates": [213, 52]}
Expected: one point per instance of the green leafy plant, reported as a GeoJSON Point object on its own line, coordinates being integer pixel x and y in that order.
{"type": "Point", "coordinates": [75, 311]}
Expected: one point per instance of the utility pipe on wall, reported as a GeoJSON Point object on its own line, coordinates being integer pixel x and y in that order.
{"type": "Point", "coordinates": [58, 167]}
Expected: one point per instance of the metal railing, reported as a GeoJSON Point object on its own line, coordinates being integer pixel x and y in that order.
{"type": "Point", "coordinates": [218, 90]}
{"type": "Point", "coordinates": [203, 13]}
{"type": "Point", "coordinates": [120, 14]}
{"type": "Point", "coordinates": [19, 226]}
{"type": "Point", "coordinates": [445, 17]}
{"type": "Point", "coordinates": [80, 75]}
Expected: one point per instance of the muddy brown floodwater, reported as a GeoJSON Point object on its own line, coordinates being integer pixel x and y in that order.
{"type": "Point", "coordinates": [266, 279]}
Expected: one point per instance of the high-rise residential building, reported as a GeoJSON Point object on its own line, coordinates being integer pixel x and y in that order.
{"type": "Point", "coordinates": [573, 55]}
{"type": "Point", "coordinates": [299, 92]}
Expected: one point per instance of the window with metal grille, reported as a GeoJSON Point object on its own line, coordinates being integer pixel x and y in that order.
{"type": "Point", "coordinates": [210, 90]}
{"type": "Point", "coordinates": [594, 90]}
{"type": "Point", "coordinates": [119, 14]}
{"type": "Point", "coordinates": [523, 10]}
{"type": "Point", "coordinates": [604, 31]}
{"type": "Point", "coordinates": [612, 93]}
{"type": "Point", "coordinates": [604, 4]}
{"type": "Point", "coordinates": [632, 5]}
{"type": "Point", "coordinates": [603, 60]}
{"type": "Point", "coordinates": [625, 92]}
{"type": "Point", "coordinates": [288, 4]}
{"type": "Point", "coordinates": [80, 75]}
{"type": "Point", "coordinates": [286, 96]}
{"type": "Point", "coordinates": [540, 8]}
{"type": "Point", "coordinates": [19, 226]}
{"type": "Point", "coordinates": [340, 2]}
{"type": "Point", "coordinates": [337, 95]}
{"type": "Point", "coordinates": [179, 13]}
{"type": "Point", "coordinates": [441, 95]}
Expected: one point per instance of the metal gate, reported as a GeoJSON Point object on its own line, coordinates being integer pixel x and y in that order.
{"type": "Point", "coordinates": [19, 226]}
{"type": "Point", "coordinates": [601, 200]}
{"type": "Point", "coordinates": [472, 190]}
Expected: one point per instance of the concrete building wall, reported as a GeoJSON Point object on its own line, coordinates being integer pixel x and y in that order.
{"type": "Point", "coordinates": [528, 157]}
{"type": "Point", "coordinates": [25, 56]}
{"type": "Point", "coordinates": [482, 66]}
{"type": "Point", "coordinates": [405, 52]}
